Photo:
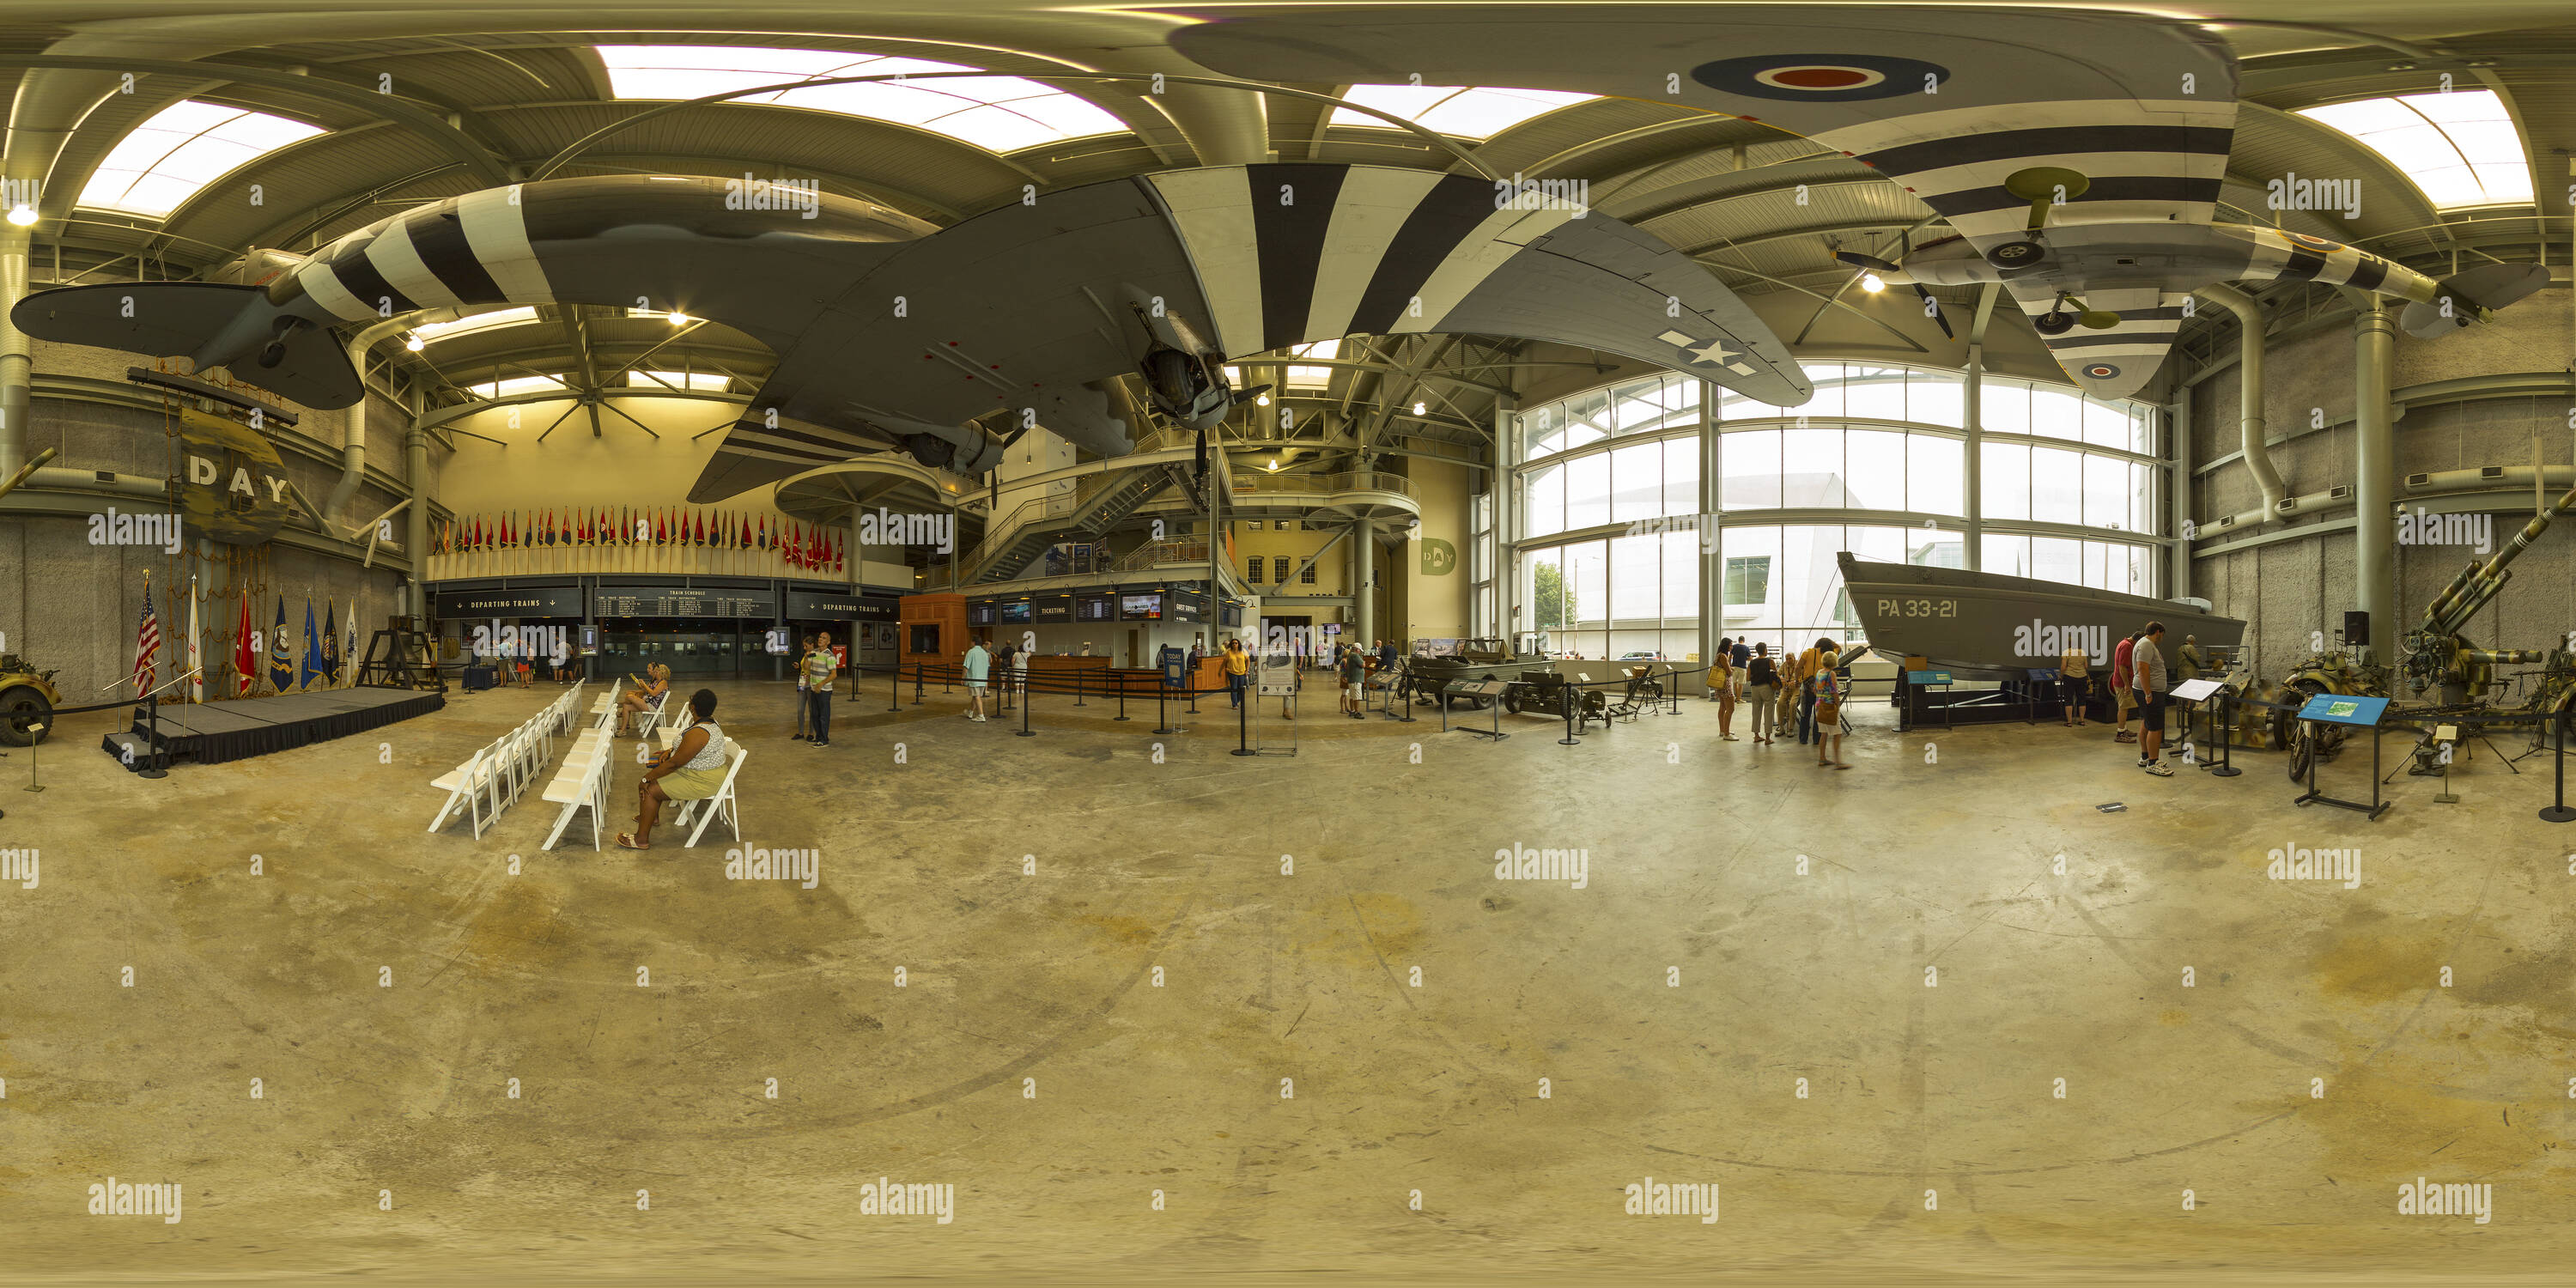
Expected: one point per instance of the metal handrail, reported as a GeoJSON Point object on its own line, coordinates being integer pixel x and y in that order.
{"type": "Point", "coordinates": [1317, 484]}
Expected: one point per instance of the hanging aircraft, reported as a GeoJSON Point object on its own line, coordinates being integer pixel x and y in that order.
{"type": "Point", "coordinates": [2078, 155]}
{"type": "Point", "coordinates": [891, 336]}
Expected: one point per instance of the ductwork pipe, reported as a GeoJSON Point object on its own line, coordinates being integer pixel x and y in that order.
{"type": "Point", "coordinates": [17, 355]}
{"type": "Point", "coordinates": [353, 433]}
{"type": "Point", "coordinates": [2414, 487]}
{"type": "Point", "coordinates": [2249, 382]}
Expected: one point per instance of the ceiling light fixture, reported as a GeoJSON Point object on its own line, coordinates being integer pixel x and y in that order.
{"type": "Point", "coordinates": [680, 319]}
{"type": "Point", "coordinates": [1417, 407]}
{"type": "Point", "coordinates": [22, 214]}
{"type": "Point", "coordinates": [1872, 283]}
{"type": "Point", "coordinates": [413, 342]}
{"type": "Point", "coordinates": [1262, 401]}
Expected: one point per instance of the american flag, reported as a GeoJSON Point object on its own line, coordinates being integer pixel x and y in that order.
{"type": "Point", "coordinates": [147, 645]}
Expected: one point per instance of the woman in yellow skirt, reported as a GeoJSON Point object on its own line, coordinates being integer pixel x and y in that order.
{"type": "Point", "coordinates": [692, 770]}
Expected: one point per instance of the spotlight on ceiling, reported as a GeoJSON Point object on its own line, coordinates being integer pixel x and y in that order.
{"type": "Point", "coordinates": [680, 319]}
{"type": "Point", "coordinates": [413, 342]}
{"type": "Point", "coordinates": [1417, 407]}
{"type": "Point", "coordinates": [1872, 283]}
{"type": "Point", "coordinates": [22, 214]}
{"type": "Point", "coordinates": [1262, 401]}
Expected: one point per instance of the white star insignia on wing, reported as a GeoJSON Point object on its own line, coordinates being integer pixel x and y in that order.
{"type": "Point", "coordinates": [1714, 351]}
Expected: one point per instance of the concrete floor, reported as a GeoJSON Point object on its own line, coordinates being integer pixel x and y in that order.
{"type": "Point", "coordinates": [1067, 1044]}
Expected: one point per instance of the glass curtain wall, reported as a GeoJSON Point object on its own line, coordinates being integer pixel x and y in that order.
{"type": "Point", "coordinates": [1876, 464]}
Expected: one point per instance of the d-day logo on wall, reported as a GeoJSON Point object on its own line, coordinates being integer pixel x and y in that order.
{"type": "Point", "coordinates": [232, 486]}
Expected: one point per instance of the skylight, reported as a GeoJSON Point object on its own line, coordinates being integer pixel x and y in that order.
{"type": "Point", "coordinates": [998, 113]}
{"type": "Point", "coordinates": [432, 332]}
{"type": "Point", "coordinates": [2460, 148]}
{"type": "Point", "coordinates": [184, 147]}
{"type": "Point", "coordinates": [517, 385]}
{"type": "Point", "coordinates": [1309, 377]}
{"type": "Point", "coordinates": [695, 381]}
{"type": "Point", "coordinates": [1469, 112]}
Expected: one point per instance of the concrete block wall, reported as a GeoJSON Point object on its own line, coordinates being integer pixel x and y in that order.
{"type": "Point", "coordinates": [66, 603]}
{"type": "Point", "coordinates": [2287, 591]}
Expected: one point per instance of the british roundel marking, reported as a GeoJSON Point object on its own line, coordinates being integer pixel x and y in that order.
{"type": "Point", "coordinates": [1820, 78]}
{"type": "Point", "coordinates": [2102, 371]}
{"type": "Point", "coordinates": [2319, 243]}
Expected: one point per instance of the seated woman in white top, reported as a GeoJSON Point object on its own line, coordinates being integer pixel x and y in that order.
{"type": "Point", "coordinates": [692, 770]}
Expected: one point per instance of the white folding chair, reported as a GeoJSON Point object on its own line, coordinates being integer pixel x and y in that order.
{"type": "Point", "coordinates": [582, 781]}
{"type": "Point", "coordinates": [463, 784]}
{"type": "Point", "coordinates": [722, 802]}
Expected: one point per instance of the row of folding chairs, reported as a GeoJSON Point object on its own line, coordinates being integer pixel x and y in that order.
{"type": "Point", "coordinates": [582, 780]}
{"type": "Point", "coordinates": [495, 776]}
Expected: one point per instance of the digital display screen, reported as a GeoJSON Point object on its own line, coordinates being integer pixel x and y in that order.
{"type": "Point", "coordinates": [979, 614]}
{"type": "Point", "coordinates": [1016, 610]}
{"type": "Point", "coordinates": [1095, 608]}
{"type": "Point", "coordinates": [1140, 608]}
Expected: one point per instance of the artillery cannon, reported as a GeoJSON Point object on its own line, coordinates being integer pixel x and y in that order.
{"type": "Point", "coordinates": [2438, 656]}
{"type": "Point", "coordinates": [27, 701]}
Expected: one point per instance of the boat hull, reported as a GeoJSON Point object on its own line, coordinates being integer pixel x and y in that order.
{"type": "Point", "coordinates": [1987, 626]}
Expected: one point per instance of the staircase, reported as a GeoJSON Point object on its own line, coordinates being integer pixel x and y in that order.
{"type": "Point", "coordinates": [1097, 504]}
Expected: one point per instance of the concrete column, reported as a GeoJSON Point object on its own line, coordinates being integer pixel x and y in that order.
{"type": "Point", "coordinates": [1973, 417]}
{"type": "Point", "coordinates": [416, 517]}
{"type": "Point", "coordinates": [2178, 494]}
{"type": "Point", "coordinates": [1712, 536]}
{"type": "Point", "coordinates": [1363, 568]}
{"type": "Point", "coordinates": [17, 363]}
{"type": "Point", "coordinates": [2375, 487]}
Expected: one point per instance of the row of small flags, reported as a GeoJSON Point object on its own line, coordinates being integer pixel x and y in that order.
{"type": "Point", "coordinates": [322, 665]}
{"type": "Point", "coordinates": [800, 545]}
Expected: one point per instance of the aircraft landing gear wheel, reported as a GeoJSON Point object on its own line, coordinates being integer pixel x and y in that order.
{"type": "Point", "coordinates": [2053, 323]}
{"type": "Point", "coordinates": [2017, 254]}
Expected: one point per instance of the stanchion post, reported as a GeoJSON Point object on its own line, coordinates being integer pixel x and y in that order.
{"type": "Point", "coordinates": [894, 689]}
{"type": "Point", "coordinates": [1122, 698]}
{"type": "Point", "coordinates": [1078, 686]}
{"type": "Point", "coordinates": [2558, 812]}
{"type": "Point", "coordinates": [2226, 712]}
{"type": "Point", "coordinates": [1565, 703]}
{"type": "Point", "coordinates": [1242, 726]}
{"type": "Point", "coordinates": [1027, 700]}
{"type": "Point", "coordinates": [917, 682]}
{"type": "Point", "coordinates": [151, 738]}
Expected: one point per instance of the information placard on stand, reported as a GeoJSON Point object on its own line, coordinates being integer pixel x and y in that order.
{"type": "Point", "coordinates": [2361, 712]}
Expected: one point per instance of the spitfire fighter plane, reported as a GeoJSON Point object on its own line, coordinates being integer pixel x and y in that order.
{"type": "Point", "coordinates": [2078, 156]}
{"type": "Point", "coordinates": [890, 335]}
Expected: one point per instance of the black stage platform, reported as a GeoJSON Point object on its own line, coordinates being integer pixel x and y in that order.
{"type": "Point", "coordinates": [223, 731]}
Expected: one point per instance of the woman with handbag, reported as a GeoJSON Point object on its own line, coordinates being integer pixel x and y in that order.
{"type": "Point", "coordinates": [1827, 691]}
{"type": "Point", "coordinates": [1761, 679]}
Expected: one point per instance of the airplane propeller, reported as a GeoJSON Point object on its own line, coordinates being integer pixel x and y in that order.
{"type": "Point", "coordinates": [1871, 280]}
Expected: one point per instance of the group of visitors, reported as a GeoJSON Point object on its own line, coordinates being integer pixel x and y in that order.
{"type": "Point", "coordinates": [1804, 694]}
{"type": "Point", "coordinates": [2141, 686]}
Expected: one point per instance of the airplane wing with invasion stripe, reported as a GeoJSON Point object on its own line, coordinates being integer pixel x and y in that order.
{"type": "Point", "coordinates": [1019, 306]}
{"type": "Point", "coordinates": [1947, 102]}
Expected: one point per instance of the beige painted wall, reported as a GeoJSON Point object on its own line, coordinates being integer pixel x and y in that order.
{"type": "Point", "coordinates": [1435, 604]}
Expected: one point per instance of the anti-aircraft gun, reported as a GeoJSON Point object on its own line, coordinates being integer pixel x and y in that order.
{"type": "Point", "coordinates": [2437, 656]}
{"type": "Point", "coordinates": [2439, 659]}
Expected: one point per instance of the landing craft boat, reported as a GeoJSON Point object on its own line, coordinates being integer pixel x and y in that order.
{"type": "Point", "coordinates": [1986, 626]}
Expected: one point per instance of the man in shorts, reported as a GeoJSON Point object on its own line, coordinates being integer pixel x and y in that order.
{"type": "Point", "coordinates": [2148, 668]}
{"type": "Point", "coordinates": [2124, 686]}
{"type": "Point", "coordinates": [1354, 675]}
{"type": "Point", "coordinates": [978, 665]}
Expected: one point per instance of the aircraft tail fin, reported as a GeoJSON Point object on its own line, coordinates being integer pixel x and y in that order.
{"type": "Point", "coordinates": [2466, 296]}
